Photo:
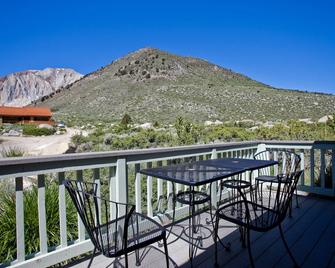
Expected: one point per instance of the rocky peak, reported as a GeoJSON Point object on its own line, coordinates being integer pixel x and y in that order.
{"type": "Point", "coordinates": [22, 88]}
{"type": "Point", "coordinates": [150, 63]}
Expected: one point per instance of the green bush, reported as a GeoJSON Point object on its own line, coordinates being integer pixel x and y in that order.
{"type": "Point", "coordinates": [33, 130]}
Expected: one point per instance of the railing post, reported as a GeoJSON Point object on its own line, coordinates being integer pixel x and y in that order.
{"type": "Point", "coordinates": [214, 184]}
{"type": "Point", "coordinates": [62, 210]}
{"type": "Point", "coordinates": [260, 148]}
{"type": "Point", "coordinates": [20, 255]}
{"type": "Point", "coordinates": [42, 223]}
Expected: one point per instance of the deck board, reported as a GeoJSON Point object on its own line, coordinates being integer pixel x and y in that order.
{"type": "Point", "coordinates": [310, 234]}
{"type": "Point", "coordinates": [322, 252]}
{"type": "Point", "coordinates": [298, 230]}
{"type": "Point", "coordinates": [304, 245]}
{"type": "Point", "coordinates": [261, 241]}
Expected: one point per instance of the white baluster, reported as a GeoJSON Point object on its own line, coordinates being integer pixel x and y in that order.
{"type": "Point", "coordinates": [138, 189]}
{"type": "Point", "coordinates": [81, 227]}
{"type": "Point", "coordinates": [20, 244]}
{"type": "Point", "coordinates": [96, 178]}
{"type": "Point", "coordinates": [312, 167]}
{"type": "Point", "coordinates": [42, 223]}
{"type": "Point", "coordinates": [214, 184]}
{"type": "Point", "coordinates": [323, 168]}
{"type": "Point", "coordinates": [62, 210]}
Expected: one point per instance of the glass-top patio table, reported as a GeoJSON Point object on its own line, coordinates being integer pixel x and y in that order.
{"type": "Point", "coordinates": [200, 173]}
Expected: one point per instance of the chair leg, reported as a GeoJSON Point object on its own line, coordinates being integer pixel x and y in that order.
{"type": "Point", "coordinates": [93, 253]}
{"type": "Point", "coordinates": [242, 236]}
{"type": "Point", "coordinates": [216, 228]}
{"type": "Point", "coordinates": [126, 259]}
{"type": "Point", "coordinates": [286, 246]}
{"type": "Point", "coordinates": [166, 252]}
{"type": "Point", "coordinates": [249, 249]}
{"type": "Point", "coordinates": [137, 256]}
{"type": "Point", "coordinates": [296, 198]}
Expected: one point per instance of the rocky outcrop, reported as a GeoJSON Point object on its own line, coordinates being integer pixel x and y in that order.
{"type": "Point", "coordinates": [22, 88]}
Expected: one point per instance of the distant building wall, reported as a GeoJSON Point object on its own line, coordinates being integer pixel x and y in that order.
{"type": "Point", "coordinates": [25, 115]}
{"type": "Point", "coordinates": [25, 120]}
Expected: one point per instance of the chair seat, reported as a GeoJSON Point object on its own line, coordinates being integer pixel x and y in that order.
{"type": "Point", "coordinates": [267, 178]}
{"type": "Point", "coordinates": [142, 231]}
{"type": "Point", "coordinates": [261, 218]}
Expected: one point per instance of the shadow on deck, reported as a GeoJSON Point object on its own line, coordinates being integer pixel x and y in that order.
{"type": "Point", "coordinates": [310, 234]}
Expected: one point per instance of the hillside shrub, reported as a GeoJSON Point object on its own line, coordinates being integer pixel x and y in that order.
{"type": "Point", "coordinates": [126, 120]}
{"type": "Point", "coordinates": [78, 139]}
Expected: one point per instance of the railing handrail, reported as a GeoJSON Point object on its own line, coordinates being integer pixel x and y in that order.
{"type": "Point", "coordinates": [13, 165]}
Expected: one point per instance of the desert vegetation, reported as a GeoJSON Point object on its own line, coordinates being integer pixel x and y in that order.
{"type": "Point", "coordinates": [124, 135]}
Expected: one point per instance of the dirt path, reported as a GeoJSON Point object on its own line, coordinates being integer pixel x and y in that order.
{"type": "Point", "coordinates": [47, 145]}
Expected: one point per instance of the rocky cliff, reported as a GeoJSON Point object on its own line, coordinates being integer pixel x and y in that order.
{"type": "Point", "coordinates": [22, 88]}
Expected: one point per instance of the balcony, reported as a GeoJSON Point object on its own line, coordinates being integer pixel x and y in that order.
{"type": "Point", "coordinates": [308, 232]}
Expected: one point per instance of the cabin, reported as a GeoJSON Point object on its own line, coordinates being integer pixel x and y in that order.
{"type": "Point", "coordinates": [25, 115]}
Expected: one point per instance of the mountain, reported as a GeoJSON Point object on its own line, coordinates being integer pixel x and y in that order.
{"type": "Point", "coordinates": [22, 88]}
{"type": "Point", "coordinates": [150, 84]}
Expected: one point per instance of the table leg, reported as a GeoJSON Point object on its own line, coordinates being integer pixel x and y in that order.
{"type": "Point", "coordinates": [190, 226]}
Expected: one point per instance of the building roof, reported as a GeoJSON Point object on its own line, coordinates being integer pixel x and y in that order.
{"type": "Point", "coordinates": [25, 111]}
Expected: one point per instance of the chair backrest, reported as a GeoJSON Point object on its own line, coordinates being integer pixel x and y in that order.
{"type": "Point", "coordinates": [273, 201]}
{"type": "Point", "coordinates": [288, 162]}
{"type": "Point", "coordinates": [105, 221]}
{"type": "Point", "coordinates": [284, 194]}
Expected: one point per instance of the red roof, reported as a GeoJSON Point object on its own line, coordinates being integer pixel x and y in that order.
{"type": "Point", "coordinates": [25, 111]}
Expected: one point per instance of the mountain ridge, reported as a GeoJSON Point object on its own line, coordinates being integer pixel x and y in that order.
{"type": "Point", "coordinates": [154, 85]}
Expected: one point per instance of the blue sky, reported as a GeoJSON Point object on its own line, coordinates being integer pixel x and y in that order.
{"type": "Point", "coordinates": [287, 44]}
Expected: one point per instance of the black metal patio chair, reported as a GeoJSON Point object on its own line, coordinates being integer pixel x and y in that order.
{"type": "Point", "coordinates": [257, 214]}
{"type": "Point", "coordinates": [115, 229]}
{"type": "Point", "coordinates": [288, 163]}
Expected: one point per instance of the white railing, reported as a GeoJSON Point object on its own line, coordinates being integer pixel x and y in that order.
{"type": "Point", "coordinates": [117, 175]}
{"type": "Point", "coordinates": [317, 161]}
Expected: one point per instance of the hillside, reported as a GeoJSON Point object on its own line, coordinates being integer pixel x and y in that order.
{"type": "Point", "coordinates": [22, 88]}
{"type": "Point", "coordinates": [151, 85]}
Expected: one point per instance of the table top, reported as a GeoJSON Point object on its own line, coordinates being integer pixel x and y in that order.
{"type": "Point", "coordinates": [206, 171]}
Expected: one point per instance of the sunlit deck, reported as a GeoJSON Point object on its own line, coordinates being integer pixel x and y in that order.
{"type": "Point", "coordinates": [310, 234]}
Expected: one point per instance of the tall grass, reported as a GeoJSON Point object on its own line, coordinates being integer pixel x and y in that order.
{"type": "Point", "coordinates": [31, 231]}
{"type": "Point", "coordinates": [12, 152]}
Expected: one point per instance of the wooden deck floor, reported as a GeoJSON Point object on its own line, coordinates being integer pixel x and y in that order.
{"type": "Point", "coordinates": [310, 234]}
